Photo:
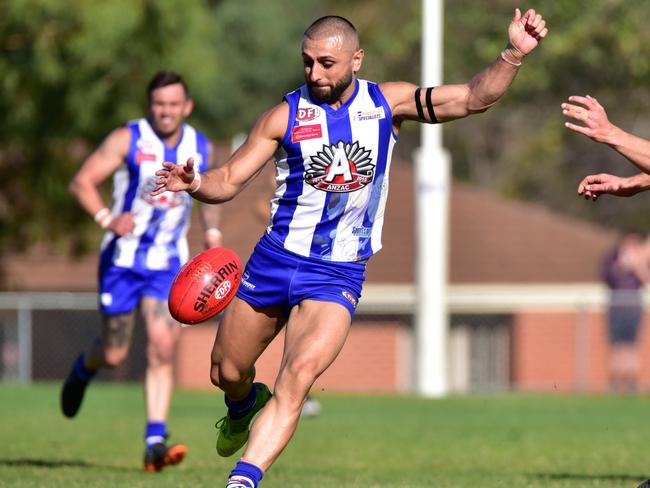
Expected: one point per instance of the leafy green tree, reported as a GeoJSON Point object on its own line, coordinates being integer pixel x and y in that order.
{"type": "Point", "coordinates": [72, 71]}
{"type": "Point", "coordinates": [521, 148]}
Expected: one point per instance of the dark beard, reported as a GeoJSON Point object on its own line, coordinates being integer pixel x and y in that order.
{"type": "Point", "coordinates": [336, 92]}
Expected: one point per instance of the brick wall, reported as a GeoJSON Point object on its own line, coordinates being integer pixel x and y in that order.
{"type": "Point", "coordinates": [550, 351]}
{"type": "Point", "coordinates": [375, 357]}
{"type": "Point", "coordinates": [567, 352]}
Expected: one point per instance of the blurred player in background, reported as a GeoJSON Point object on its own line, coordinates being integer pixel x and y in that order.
{"type": "Point", "coordinates": [143, 248]}
{"type": "Point", "coordinates": [306, 272]}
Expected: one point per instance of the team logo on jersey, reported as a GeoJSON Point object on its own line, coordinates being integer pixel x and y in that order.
{"type": "Point", "coordinates": [305, 114]}
{"type": "Point", "coordinates": [164, 200]}
{"type": "Point", "coordinates": [340, 168]}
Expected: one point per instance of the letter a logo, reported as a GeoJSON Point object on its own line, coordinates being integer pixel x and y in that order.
{"type": "Point", "coordinates": [340, 168]}
{"type": "Point", "coordinates": [340, 165]}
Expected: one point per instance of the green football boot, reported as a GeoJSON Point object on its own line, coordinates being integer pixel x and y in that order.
{"type": "Point", "coordinates": [233, 434]}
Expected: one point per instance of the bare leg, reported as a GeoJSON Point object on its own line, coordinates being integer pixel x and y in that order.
{"type": "Point", "coordinates": [162, 335]}
{"type": "Point", "coordinates": [316, 332]}
{"type": "Point", "coordinates": [243, 334]}
{"type": "Point", "coordinates": [110, 350]}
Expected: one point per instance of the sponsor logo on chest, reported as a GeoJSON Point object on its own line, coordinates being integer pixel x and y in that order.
{"type": "Point", "coordinates": [362, 116]}
{"type": "Point", "coordinates": [305, 131]}
{"type": "Point", "coordinates": [305, 114]}
{"type": "Point", "coordinates": [145, 151]}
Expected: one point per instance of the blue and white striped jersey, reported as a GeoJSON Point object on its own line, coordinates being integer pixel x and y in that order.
{"type": "Point", "coordinates": [333, 183]}
{"type": "Point", "coordinates": [158, 241]}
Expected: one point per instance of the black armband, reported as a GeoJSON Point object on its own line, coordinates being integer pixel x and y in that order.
{"type": "Point", "coordinates": [432, 114]}
{"type": "Point", "coordinates": [418, 104]}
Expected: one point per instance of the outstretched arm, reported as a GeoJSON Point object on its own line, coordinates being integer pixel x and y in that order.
{"type": "Point", "coordinates": [223, 183]}
{"type": "Point", "coordinates": [597, 127]}
{"type": "Point", "coordinates": [593, 186]}
{"type": "Point", "coordinates": [449, 102]}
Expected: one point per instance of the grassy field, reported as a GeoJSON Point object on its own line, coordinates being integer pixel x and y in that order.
{"type": "Point", "coordinates": [358, 441]}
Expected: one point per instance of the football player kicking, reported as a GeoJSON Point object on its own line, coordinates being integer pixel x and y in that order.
{"type": "Point", "coordinates": [336, 133]}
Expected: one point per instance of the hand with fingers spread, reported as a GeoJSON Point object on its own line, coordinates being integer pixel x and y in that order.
{"type": "Point", "coordinates": [594, 123]}
{"type": "Point", "coordinates": [526, 31]}
{"type": "Point", "coordinates": [175, 177]}
{"type": "Point", "coordinates": [591, 115]}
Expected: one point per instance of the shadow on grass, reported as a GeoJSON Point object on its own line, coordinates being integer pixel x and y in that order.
{"type": "Point", "coordinates": [637, 478]}
{"type": "Point", "coordinates": [58, 463]}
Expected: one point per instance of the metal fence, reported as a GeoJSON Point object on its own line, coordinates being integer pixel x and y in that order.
{"type": "Point", "coordinates": [41, 333]}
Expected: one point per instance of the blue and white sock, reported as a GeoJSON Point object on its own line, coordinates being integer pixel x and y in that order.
{"type": "Point", "coordinates": [240, 408]}
{"type": "Point", "coordinates": [83, 373]}
{"type": "Point", "coordinates": [245, 475]}
{"type": "Point", "coordinates": [155, 432]}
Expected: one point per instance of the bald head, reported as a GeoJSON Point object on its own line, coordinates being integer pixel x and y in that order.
{"type": "Point", "coordinates": [334, 27]}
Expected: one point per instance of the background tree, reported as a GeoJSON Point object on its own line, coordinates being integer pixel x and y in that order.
{"type": "Point", "coordinates": [73, 70]}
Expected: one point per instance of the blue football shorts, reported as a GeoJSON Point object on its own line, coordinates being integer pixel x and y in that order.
{"type": "Point", "coordinates": [121, 289]}
{"type": "Point", "coordinates": [275, 276]}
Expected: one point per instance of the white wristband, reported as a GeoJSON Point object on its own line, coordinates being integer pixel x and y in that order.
{"type": "Point", "coordinates": [101, 213]}
{"type": "Point", "coordinates": [503, 56]}
{"type": "Point", "coordinates": [106, 221]}
{"type": "Point", "coordinates": [103, 217]}
{"type": "Point", "coordinates": [196, 183]}
{"type": "Point", "coordinates": [213, 231]}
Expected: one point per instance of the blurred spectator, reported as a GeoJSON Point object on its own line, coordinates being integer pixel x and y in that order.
{"type": "Point", "coordinates": [625, 270]}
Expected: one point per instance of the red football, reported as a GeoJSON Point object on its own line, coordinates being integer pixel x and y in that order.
{"type": "Point", "coordinates": [205, 285]}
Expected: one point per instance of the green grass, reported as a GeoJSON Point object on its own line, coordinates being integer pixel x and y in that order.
{"type": "Point", "coordinates": [357, 441]}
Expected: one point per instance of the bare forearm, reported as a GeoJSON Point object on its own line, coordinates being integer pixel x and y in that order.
{"type": "Point", "coordinates": [488, 86]}
{"type": "Point", "coordinates": [87, 195]}
{"type": "Point", "coordinates": [637, 183]}
{"type": "Point", "coordinates": [635, 149]}
{"type": "Point", "coordinates": [214, 188]}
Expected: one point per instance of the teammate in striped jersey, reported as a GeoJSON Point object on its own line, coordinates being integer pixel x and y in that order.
{"type": "Point", "coordinates": [144, 246]}
{"type": "Point", "coordinates": [336, 133]}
